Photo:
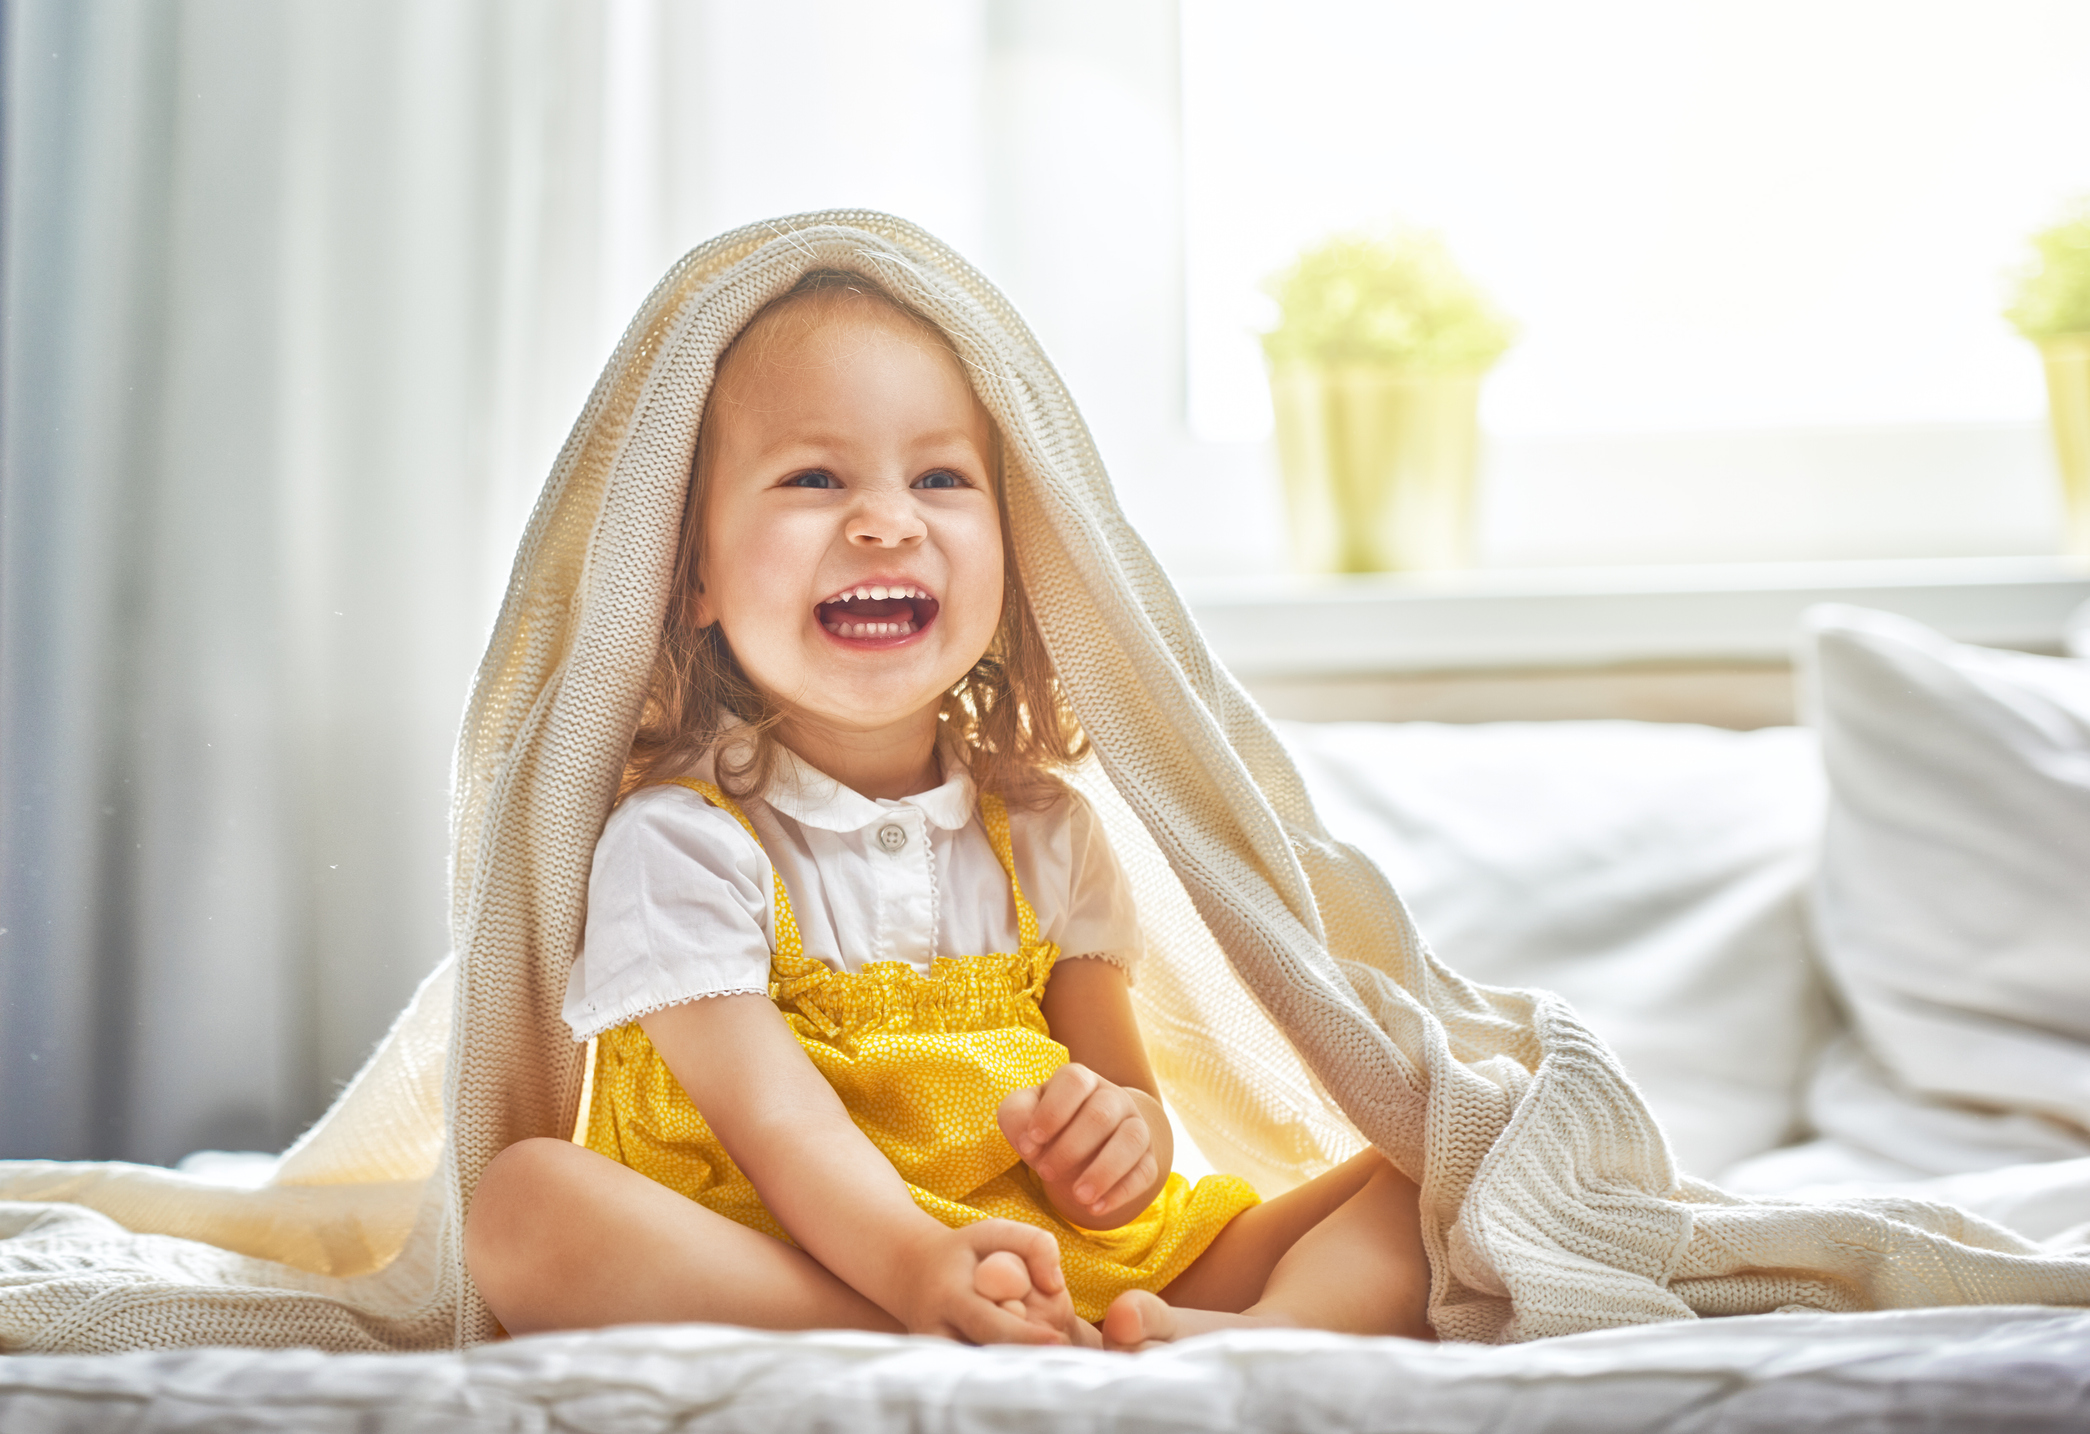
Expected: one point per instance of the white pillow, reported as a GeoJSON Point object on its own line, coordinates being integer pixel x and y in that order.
{"type": "Point", "coordinates": [1652, 873]}
{"type": "Point", "coordinates": [1952, 907]}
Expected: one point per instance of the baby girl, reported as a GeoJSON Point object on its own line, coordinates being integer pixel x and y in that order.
{"type": "Point", "coordinates": [857, 963]}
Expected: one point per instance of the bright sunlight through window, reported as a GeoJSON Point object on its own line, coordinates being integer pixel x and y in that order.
{"type": "Point", "coordinates": [1756, 253]}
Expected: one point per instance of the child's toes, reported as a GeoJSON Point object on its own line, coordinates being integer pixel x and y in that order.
{"type": "Point", "coordinates": [1001, 1277]}
{"type": "Point", "coordinates": [1136, 1319]}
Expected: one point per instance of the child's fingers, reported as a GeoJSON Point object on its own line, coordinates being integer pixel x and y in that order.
{"type": "Point", "coordinates": [1041, 1256]}
{"type": "Point", "coordinates": [1129, 1149]}
{"type": "Point", "coordinates": [984, 1323]}
{"type": "Point", "coordinates": [1107, 1111]}
{"type": "Point", "coordinates": [1014, 1118]}
{"type": "Point", "coordinates": [1018, 1276]}
{"type": "Point", "coordinates": [1056, 1311]}
{"type": "Point", "coordinates": [1059, 1101]}
{"type": "Point", "coordinates": [997, 1240]}
{"type": "Point", "coordinates": [1132, 1186]}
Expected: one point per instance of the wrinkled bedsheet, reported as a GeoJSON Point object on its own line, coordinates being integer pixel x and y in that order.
{"type": "Point", "coordinates": [1947, 1370]}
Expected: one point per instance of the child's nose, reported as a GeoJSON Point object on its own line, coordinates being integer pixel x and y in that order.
{"type": "Point", "coordinates": [885, 520]}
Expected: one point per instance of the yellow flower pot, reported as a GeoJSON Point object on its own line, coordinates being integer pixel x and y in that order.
{"type": "Point", "coordinates": [1379, 466]}
{"type": "Point", "coordinates": [2067, 359]}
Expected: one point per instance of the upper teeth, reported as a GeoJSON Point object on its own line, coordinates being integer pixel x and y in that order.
{"type": "Point", "coordinates": [879, 592]}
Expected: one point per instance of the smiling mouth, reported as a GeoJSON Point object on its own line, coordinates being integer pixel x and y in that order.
{"type": "Point", "coordinates": [877, 612]}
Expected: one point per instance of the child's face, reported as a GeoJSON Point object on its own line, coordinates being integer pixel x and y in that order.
{"type": "Point", "coordinates": [851, 456]}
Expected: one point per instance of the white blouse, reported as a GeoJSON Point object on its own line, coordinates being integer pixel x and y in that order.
{"type": "Point", "coordinates": [680, 900]}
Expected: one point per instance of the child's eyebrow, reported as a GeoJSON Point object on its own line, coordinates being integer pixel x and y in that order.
{"type": "Point", "coordinates": [832, 443]}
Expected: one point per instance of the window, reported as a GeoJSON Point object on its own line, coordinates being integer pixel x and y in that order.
{"type": "Point", "coordinates": [1757, 252]}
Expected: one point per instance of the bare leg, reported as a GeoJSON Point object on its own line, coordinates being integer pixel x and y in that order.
{"type": "Point", "coordinates": [1358, 1269]}
{"type": "Point", "coordinates": [1234, 1269]}
{"type": "Point", "coordinates": [559, 1237]}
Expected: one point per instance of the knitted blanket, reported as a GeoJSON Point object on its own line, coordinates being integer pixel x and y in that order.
{"type": "Point", "coordinates": [1292, 1010]}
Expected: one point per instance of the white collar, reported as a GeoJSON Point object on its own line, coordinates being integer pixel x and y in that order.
{"type": "Point", "coordinates": [808, 795]}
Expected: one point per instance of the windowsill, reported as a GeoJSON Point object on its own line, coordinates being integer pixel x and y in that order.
{"type": "Point", "coordinates": [1736, 614]}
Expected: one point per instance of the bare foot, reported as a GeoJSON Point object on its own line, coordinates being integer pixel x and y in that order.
{"type": "Point", "coordinates": [1139, 1319]}
{"type": "Point", "coordinates": [1003, 1278]}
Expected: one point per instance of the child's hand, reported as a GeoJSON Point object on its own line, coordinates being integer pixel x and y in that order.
{"type": "Point", "coordinates": [994, 1282]}
{"type": "Point", "coordinates": [1004, 1278]}
{"type": "Point", "coordinates": [1090, 1143]}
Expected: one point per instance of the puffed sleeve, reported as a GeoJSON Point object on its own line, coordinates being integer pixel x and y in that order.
{"type": "Point", "coordinates": [678, 909]}
{"type": "Point", "coordinates": [1087, 908]}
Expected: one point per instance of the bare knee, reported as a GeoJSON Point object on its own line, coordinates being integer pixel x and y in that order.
{"type": "Point", "coordinates": [514, 1215]}
{"type": "Point", "coordinates": [509, 1195]}
{"type": "Point", "coordinates": [1395, 1203]}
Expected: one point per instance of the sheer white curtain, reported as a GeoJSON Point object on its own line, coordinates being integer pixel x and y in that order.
{"type": "Point", "coordinates": [292, 314]}
{"type": "Point", "coordinates": [300, 297]}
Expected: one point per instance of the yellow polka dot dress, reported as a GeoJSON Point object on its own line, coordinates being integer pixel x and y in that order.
{"type": "Point", "coordinates": [921, 1062]}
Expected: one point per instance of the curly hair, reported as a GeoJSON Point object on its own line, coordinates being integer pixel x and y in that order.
{"type": "Point", "coordinates": [1007, 716]}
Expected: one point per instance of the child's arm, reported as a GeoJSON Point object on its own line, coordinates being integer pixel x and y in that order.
{"type": "Point", "coordinates": [827, 1184]}
{"type": "Point", "coordinates": [1095, 1132]}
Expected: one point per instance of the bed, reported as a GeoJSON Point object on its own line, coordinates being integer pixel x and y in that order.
{"type": "Point", "coordinates": [1675, 883]}
{"type": "Point", "coordinates": [1948, 1370]}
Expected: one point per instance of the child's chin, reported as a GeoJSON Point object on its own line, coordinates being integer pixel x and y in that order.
{"type": "Point", "coordinates": [877, 698]}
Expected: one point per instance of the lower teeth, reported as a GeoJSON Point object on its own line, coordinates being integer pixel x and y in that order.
{"type": "Point", "coordinates": [870, 629]}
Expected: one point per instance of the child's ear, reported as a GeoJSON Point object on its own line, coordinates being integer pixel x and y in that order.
{"type": "Point", "coordinates": [699, 607]}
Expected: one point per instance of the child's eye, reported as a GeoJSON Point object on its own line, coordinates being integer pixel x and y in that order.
{"type": "Point", "coordinates": [815, 479]}
{"type": "Point", "coordinates": [941, 478]}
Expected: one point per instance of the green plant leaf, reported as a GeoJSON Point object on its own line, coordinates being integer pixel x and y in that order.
{"type": "Point", "coordinates": [2053, 291]}
{"type": "Point", "coordinates": [1396, 300]}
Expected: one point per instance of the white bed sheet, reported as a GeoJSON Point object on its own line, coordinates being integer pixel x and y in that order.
{"type": "Point", "coordinates": [1956, 1370]}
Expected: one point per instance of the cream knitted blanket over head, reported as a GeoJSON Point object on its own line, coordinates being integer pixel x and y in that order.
{"type": "Point", "coordinates": [1291, 1009]}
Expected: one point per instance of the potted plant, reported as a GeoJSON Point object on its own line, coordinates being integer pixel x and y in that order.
{"type": "Point", "coordinates": [2053, 311]}
{"type": "Point", "coordinates": [1375, 369]}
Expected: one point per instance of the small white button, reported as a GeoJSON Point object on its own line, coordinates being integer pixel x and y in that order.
{"type": "Point", "coordinates": [892, 836]}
